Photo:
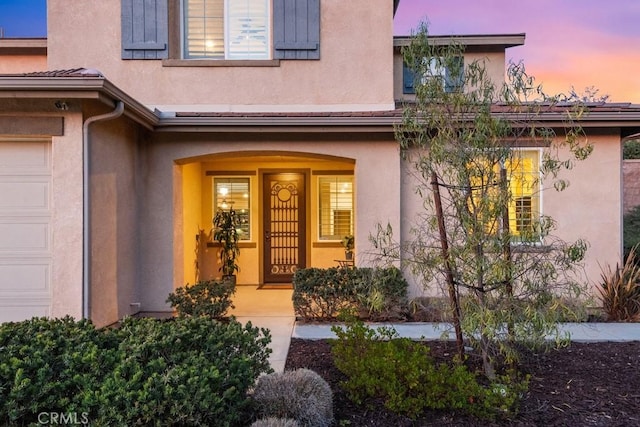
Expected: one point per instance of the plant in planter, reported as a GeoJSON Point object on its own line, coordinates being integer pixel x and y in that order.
{"type": "Point", "coordinates": [348, 242]}
{"type": "Point", "coordinates": [225, 225]}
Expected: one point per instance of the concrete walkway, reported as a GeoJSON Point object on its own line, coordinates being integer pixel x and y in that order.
{"type": "Point", "coordinates": [272, 309]}
{"type": "Point", "coordinates": [579, 332]}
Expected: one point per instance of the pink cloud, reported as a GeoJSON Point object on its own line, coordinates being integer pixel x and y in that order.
{"type": "Point", "coordinates": [569, 43]}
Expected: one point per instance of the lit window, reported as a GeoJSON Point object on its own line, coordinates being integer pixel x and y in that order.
{"type": "Point", "coordinates": [336, 207]}
{"type": "Point", "coordinates": [233, 193]}
{"type": "Point", "coordinates": [226, 29]}
{"type": "Point", "coordinates": [524, 209]}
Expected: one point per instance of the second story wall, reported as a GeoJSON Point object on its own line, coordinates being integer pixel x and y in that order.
{"type": "Point", "coordinates": [22, 55]}
{"type": "Point", "coordinates": [488, 50]}
{"type": "Point", "coordinates": [354, 70]}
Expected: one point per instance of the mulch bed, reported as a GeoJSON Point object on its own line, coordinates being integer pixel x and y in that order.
{"type": "Point", "coordinates": [594, 384]}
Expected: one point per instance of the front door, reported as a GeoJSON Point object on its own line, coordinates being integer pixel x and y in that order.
{"type": "Point", "coordinates": [284, 226]}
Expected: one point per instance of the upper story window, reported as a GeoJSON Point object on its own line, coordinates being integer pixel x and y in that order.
{"type": "Point", "coordinates": [179, 30]}
{"type": "Point", "coordinates": [450, 75]}
{"type": "Point", "coordinates": [226, 29]}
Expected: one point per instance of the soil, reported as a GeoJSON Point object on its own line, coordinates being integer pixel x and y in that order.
{"type": "Point", "coordinates": [594, 384]}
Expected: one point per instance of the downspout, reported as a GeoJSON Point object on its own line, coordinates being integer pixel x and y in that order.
{"type": "Point", "coordinates": [86, 205]}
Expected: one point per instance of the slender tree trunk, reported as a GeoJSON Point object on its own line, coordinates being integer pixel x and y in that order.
{"type": "Point", "coordinates": [453, 295]}
{"type": "Point", "coordinates": [506, 244]}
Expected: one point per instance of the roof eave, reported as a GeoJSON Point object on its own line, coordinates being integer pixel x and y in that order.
{"type": "Point", "coordinates": [496, 40]}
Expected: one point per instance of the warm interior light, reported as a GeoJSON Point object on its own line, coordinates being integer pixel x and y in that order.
{"type": "Point", "coordinates": [224, 191]}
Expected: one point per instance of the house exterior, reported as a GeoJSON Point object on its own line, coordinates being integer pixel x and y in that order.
{"type": "Point", "coordinates": [126, 129]}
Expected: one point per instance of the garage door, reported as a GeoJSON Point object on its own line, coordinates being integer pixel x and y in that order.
{"type": "Point", "coordinates": [25, 229]}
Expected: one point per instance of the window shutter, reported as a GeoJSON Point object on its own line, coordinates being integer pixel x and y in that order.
{"type": "Point", "coordinates": [408, 77]}
{"type": "Point", "coordinates": [296, 29]}
{"type": "Point", "coordinates": [145, 29]}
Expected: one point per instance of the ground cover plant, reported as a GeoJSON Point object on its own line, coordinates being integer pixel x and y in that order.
{"type": "Point", "coordinates": [594, 384]}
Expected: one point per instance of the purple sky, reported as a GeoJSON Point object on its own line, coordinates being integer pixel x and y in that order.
{"type": "Point", "coordinates": [579, 43]}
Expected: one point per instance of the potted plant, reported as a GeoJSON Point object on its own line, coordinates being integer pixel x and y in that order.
{"type": "Point", "coordinates": [225, 225]}
{"type": "Point", "coordinates": [348, 243]}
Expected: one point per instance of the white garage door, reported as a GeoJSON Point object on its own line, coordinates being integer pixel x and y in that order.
{"type": "Point", "coordinates": [25, 229]}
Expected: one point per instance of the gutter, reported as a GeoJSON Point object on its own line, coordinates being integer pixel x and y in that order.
{"type": "Point", "coordinates": [86, 205]}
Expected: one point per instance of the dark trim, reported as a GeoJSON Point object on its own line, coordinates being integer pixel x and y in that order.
{"type": "Point", "coordinates": [331, 244]}
{"type": "Point", "coordinates": [231, 173]}
{"type": "Point", "coordinates": [241, 245]}
{"type": "Point", "coordinates": [332, 172]}
{"type": "Point", "coordinates": [220, 62]}
{"type": "Point", "coordinates": [21, 125]}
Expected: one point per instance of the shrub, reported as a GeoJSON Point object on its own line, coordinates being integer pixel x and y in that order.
{"type": "Point", "coordinates": [631, 149]}
{"type": "Point", "coordinates": [301, 394]}
{"type": "Point", "coordinates": [275, 422]}
{"type": "Point", "coordinates": [206, 298]}
{"type": "Point", "coordinates": [401, 372]}
{"type": "Point", "coordinates": [52, 365]}
{"type": "Point", "coordinates": [620, 291]}
{"type": "Point", "coordinates": [185, 371]}
{"type": "Point", "coordinates": [631, 230]}
{"type": "Point", "coordinates": [322, 294]}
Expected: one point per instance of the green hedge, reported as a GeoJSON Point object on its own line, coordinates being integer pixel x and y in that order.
{"type": "Point", "coordinates": [185, 371]}
{"type": "Point", "coordinates": [374, 293]}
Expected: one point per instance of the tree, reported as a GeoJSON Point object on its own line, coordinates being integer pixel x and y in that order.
{"type": "Point", "coordinates": [479, 235]}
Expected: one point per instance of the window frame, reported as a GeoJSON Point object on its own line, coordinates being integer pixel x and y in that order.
{"type": "Point", "coordinates": [536, 208]}
{"type": "Point", "coordinates": [335, 237]}
{"type": "Point", "coordinates": [249, 213]}
{"type": "Point", "coordinates": [180, 36]}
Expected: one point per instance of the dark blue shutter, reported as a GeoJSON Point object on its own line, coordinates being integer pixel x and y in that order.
{"type": "Point", "coordinates": [296, 29]}
{"type": "Point", "coordinates": [408, 78]}
{"type": "Point", "coordinates": [145, 29]}
{"type": "Point", "coordinates": [454, 75]}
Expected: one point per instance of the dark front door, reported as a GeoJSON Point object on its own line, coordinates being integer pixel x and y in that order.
{"type": "Point", "coordinates": [284, 226]}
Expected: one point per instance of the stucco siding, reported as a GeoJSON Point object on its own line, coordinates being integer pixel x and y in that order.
{"type": "Point", "coordinates": [88, 35]}
{"type": "Point", "coordinates": [589, 209]}
{"type": "Point", "coordinates": [377, 200]}
{"type": "Point", "coordinates": [114, 220]}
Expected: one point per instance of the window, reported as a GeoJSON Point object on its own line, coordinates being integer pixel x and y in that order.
{"type": "Point", "coordinates": [226, 29]}
{"type": "Point", "coordinates": [174, 30]}
{"type": "Point", "coordinates": [451, 74]}
{"type": "Point", "coordinates": [234, 193]}
{"type": "Point", "coordinates": [524, 209]}
{"type": "Point", "coordinates": [336, 206]}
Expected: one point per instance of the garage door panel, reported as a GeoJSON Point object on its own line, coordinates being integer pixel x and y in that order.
{"type": "Point", "coordinates": [25, 229]}
{"type": "Point", "coordinates": [25, 158]}
{"type": "Point", "coordinates": [25, 276]}
{"type": "Point", "coordinates": [15, 310]}
{"type": "Point", "coordinates": [23, 196]}
{"type": "Point", "coordinates": [29, 236]}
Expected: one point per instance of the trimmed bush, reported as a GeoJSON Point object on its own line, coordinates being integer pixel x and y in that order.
{"type": "Point", "coordinates": [275, 422]}
{"type": "Point", "coordinates": [322, 294]}
{"type": "Point", "coordinates": [302, 395]}
{"type": "Point", "coordinates": [401, 373]}
{"type": "Point", "coordinates": [51, 365]}
{"type": "Point", "coordinates": [184, 371]}
{"type": "Point", "coordinates": [206, 298]}
{"type": "Point", "coordinates": [631, 149]}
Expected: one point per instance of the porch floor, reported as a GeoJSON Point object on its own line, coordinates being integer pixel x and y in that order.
{"type": "Point", "coordinates": [271, 309]}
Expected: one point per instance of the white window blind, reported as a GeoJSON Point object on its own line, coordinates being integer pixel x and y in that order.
{"type": "Point", "coordinates": [226, 29]}
{"type": "Point", "coordinates": [336, 207]}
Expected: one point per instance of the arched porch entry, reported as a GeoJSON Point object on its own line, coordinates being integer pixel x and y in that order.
{"type": "Point", "coordinates": [295, 208]}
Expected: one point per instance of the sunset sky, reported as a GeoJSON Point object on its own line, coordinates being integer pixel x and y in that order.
{"type": "Point", "coordinates": [579, 43]}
